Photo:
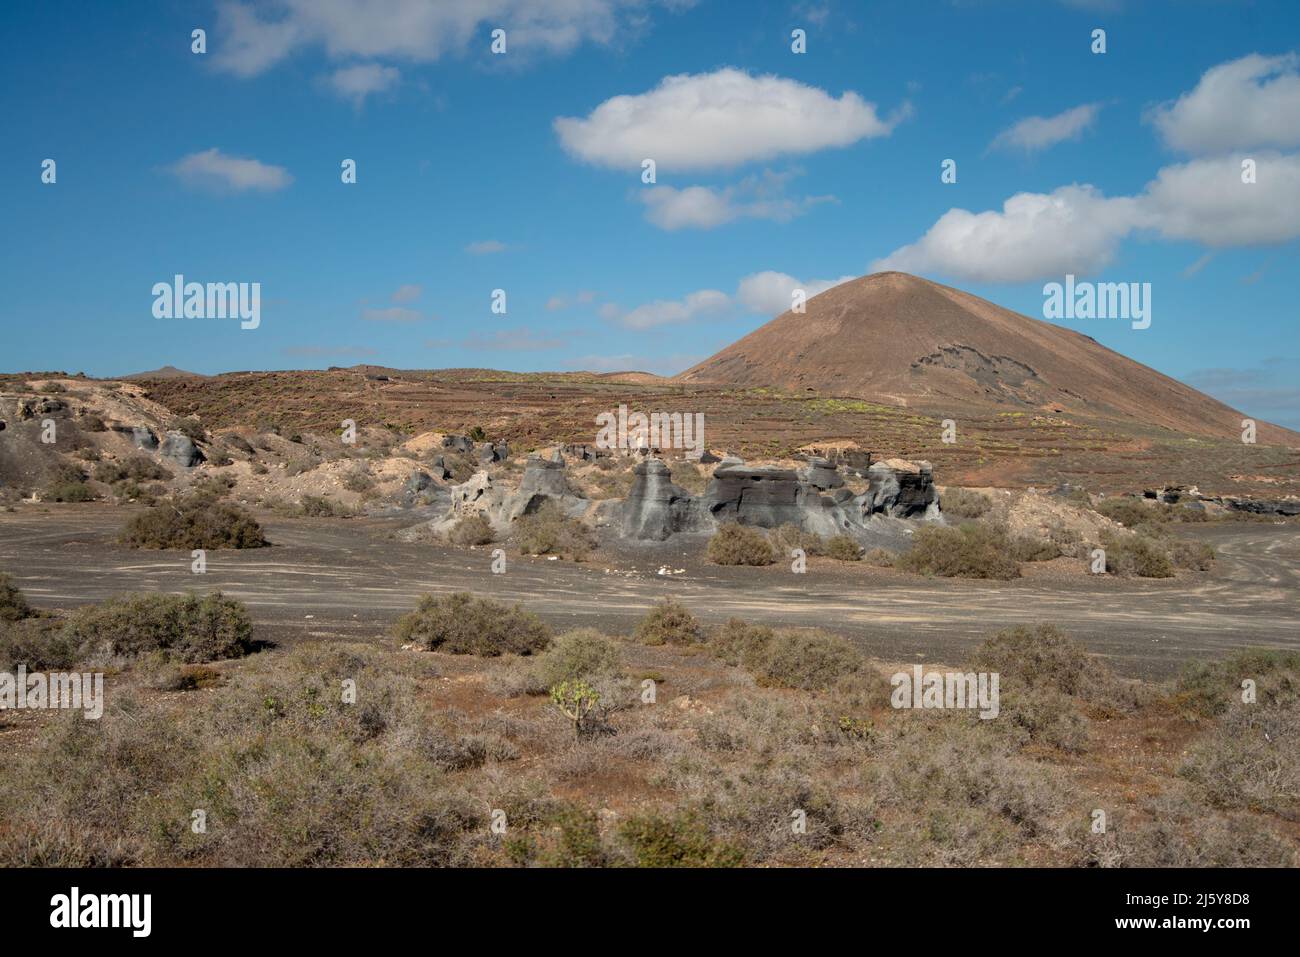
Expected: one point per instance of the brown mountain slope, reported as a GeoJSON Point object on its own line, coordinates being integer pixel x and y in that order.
{"type": "Point", "coordinates": [901, 340]}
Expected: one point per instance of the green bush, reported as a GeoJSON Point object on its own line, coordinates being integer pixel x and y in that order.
{"type": "Point", "coordinates": [965, 504]}
{"type": "Point", "coordinates": [68, 485]}
{"type": "Point", "coordinates": [735, 544]}
{"type": "Point", "coordinates": [471, 530]}
{"type": "Point", "coordinates": [13, 604]}
{"type": "Point", "coordinates": [183, 627]}
{"type": "Point", "coordinates": [968, 551]}
{"type": "Point", "coordinates": [550, 531]}
{"type": "Point", "coordinates": [668, 623]}
{"type": "Point", "coordinates": [842, 548]}
{"type": "Point", "coordinates": [464, 624]}
{"type": "Point", "coordinates": [194, 522]}
{"type": "Point", "coordinates": [580, 654]}
{"type": "Point", "coordinates": [678, 840]}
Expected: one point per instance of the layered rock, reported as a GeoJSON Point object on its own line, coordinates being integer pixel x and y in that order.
{"type": "Point", "coordinates": [655, 508]}
{"type": "Point", "coordinates": [812, 498]}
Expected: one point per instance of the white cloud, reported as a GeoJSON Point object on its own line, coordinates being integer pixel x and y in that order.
{"type": "Point", "coordinates": [407, 293]}
{"type": "Point", "coordinates": [719, 120]}
{"type": "Point", "coordinates": [355, 83]}
{"type": "Point", "coordinates": [1206, 200]}
{"type": "Point", "coordinates": [391, 314]}
{"type": "Point", "coordinates": [1243, 104]}
{"type": "Point", "coordinates": [415, 30]}
{"type": "Point", "coordinates": [1035, 133]}
{"type": "Point", "coordinates": [1073, 229]}
{"type": "Point", "coordinates": [662, 312]}
{"type": "Point", "coordinates": [214, 169]}
{"type": "Point", "coordinates": [704, 207]}
{"type": "Point", "coordinates": [1077, 230]}
{"type": "Point", "coordinates": [485, 247]}
{"type": "Point", "coordinates": [769, 293]}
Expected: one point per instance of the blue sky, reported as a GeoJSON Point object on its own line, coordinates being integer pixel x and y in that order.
{"type": "Point", "coordinates": [774, 170]}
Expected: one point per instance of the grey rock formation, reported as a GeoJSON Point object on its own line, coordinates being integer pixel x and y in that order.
{"type": "Point", "coordinates": [439, 469]}
{"type": "Point", "coordinates": [902, 493]}
{"type": "Point", "coordinates": [458, 443]}
{"type": "Point", "coordinates": [655, 508]}
{"type": "Point", "coordinates": [812, 498]}
{"type": "Point", "coordinates": [418, 482]}
{"type": "Point", "coordinates": [180, 450]}
{"type": "Point", "coordinates": [144, 438]}
{"type": "Point", "coordinates": [490, 452]}
{"type": "Point", "coordinates": [31, 408]}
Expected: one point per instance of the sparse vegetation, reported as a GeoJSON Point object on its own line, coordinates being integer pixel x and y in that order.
{"type": "Point", "coordinates": [842, 548]}
{"type": "Point", "coordinates": [181, 627]}
{"type": "Point", "coordinates": [669, 623]}
{"type": "Point", "coordinates": [471, 530]}
{"type": "Point", "coordinates": [1136, 554]}
{"type": "Point", "coordinates": [193, 522]}
{"type": "Point", "coordinates": [13, 603]}
{"type": "Point", "coordinates": [789, 537]}
{"type": "Point", "coordinates": [967, 551]}
{"type": "Point", "coordinates": [68, 485]}
{"type": "Point", "coordinates": [735, 544]}
{"type": "Point", "coordinates": [464, 624]}
{"type": "Point", "coordinates": [137, 468]}
{"type": "Point", "coordinates": [549, 531]}
{"type": "Point", "coordinates": [962, 503]}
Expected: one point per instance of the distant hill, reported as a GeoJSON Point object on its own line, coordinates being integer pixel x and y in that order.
{"type": "Point", "coordinates": [166, 372]}
{"type": "Point", "coordinates": [901, 340]}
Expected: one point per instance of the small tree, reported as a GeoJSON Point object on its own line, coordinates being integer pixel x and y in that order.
{"type": "Point", "coordinates": [576, 700]}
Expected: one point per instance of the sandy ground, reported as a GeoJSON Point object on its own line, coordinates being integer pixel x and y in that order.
{"type": "Point", "coordinates": [348, 578]}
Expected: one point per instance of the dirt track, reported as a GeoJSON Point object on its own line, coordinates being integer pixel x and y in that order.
{"type": "Point", "coordinates": [346, 578]}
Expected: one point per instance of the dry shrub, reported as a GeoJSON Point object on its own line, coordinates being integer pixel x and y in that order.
{"type": "Point", "coordinates": [1136, 554]}
{"type": "Point", "coordinates": [550, 531]}
{"type": "Point", "coordinates": [880, 558]}
{"type": "Point", "coordinates": [968, 551]}
{"type": "Point", "coordinates": [464, 624]}
{"type": "Point", "coordinates": [735, 544]}
{"type": "Point", "coordinates": [182, 627]}
{"type": "Point", "coordinates": [790, 536]}
{"type": "Point", "coordinates": [13, 603]}
{"type": "Point", "coordinates": [808, 659]}
{"type": "Point", "coordinates": [139, 468]}
{"type": "Point", "coordinates": [194, 522]}
{"type": "Point", "coordinates": [964, 504]}
{"type": "Point", "coordinates": [669, 623]}
{"type": "Point", "coordinates": [842, 548]}
{"type": "Point", "coordinates": [583, 654]}
{"type": "Point", "coordinates": [471, 530]}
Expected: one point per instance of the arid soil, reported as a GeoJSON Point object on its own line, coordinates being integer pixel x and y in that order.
{"type": "Point", "coordinates": [327, 578]}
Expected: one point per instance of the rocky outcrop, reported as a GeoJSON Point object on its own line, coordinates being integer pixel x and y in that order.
{"type": "Point", "coordinates": [144, 438]}
{"type": "Point", "coordinates": [179, 449]}
{"type": "Point", "coordinates": [655, 508]}
{"type": "Point", "coordinates": [458, 443]}
{"type": "Point", "coordinates": [490, 452]}
{"type": "Point", "coordinates": [902, 490]}
{"type": "Point", "coordinates": [812, 498]}
{"type": "Point", "coordinates": [31, 408]}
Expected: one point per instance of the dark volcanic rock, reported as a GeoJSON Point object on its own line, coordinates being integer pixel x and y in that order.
{"type": "Point", "coordinates": [179, 449]}
{"type": "Point", "coordinates": [439, 468]}
{"type": "Point", "coordinates": [821, 474]}
{"type": "Point", "coordinates": [655, 508]}
{"type": "Point", "coordinates": [900, 493]}
{"type": "Point", "coordinates": [762, 495]}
